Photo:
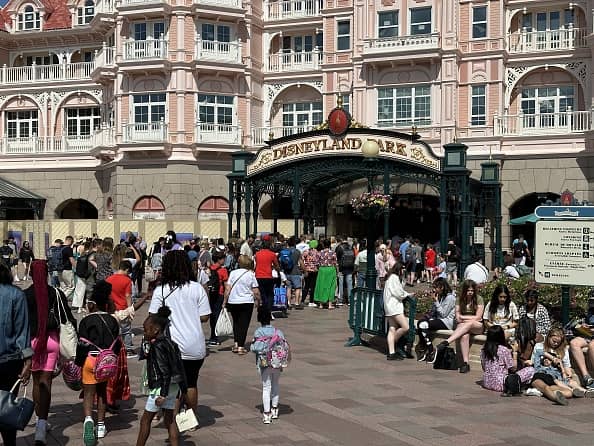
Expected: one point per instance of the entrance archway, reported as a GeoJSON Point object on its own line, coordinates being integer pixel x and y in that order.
{"type": "Point", "coordinates": [525, 206]}
{"type": "Point", "coordinates": [77, 209]}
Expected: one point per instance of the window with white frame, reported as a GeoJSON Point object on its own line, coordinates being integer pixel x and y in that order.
{"type": "Point", "coordinates": [302, 114]}
{"type": "Point", "coordinates": [420, 21]}
{"type": "Point", "coordinates": [387, 24]}
{"type": "Point", "coordinates": [216, 32]}
{"type": "Point", "coordinates": [298, 44]}
{"type": "Point", "coordinates": [86, 13]}
{"type": "Point", "coordinates": [42, 60]}
{"type": "Point", "coordinates": [346, 102]}
{"type": "Point", "coordinates": [29, 19]}
{"type": "Point", "coordinates": [478, 114]}
{"type": "Point", "coordinates": [148, 31]}
{"type": "Point", "coordinates": [343, 35]}
{"type": "Point", "coordinates": [547, 106]}
{"type": "Point", "coordinates": [149, 107]}
{"type": "Point", "coordinates": [404, 106]}
{"type": "Point", "coordinates": [82, 121]}
{"type": "Point", "coordinates": [216, 110]}
{"type": "Point", "coordinates": [479, 22]}
{"type": "Point", "coordinates": [22, 124]}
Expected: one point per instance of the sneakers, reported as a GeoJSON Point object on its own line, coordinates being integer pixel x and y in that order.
{"type": "Point", "coordinates": [131, 354]}
{"type": "Point", "coordinates": [422, 356]}
{"type": "Point", "coordinates": [275, 413]}
{"type": "Point", "coordinates": [394, 357]}
{"type": "Point", "coordinates": [465, 368]}
{"type": "Point", "coordinates": [89, 433]}
{"type": "Point", "coordinates": [532, 392]}
{"type": "Point", "coordinates": [214, 342]}
{"type": "Point", "coordinates": [560, 399]}
{"type": "Point", "coordinates": [578, 392]}
{"type": "Point", "coordinates": [311, 304]}
{"type": "Point", "coordinates": [267, 418]}
{"type": "Point", "coordinates": [101, 431]}
{"type": "Point", "coordinates": [587, 381]}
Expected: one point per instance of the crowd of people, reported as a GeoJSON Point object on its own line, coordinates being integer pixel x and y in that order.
{"type": "Point", "coordinates": [193, 282]}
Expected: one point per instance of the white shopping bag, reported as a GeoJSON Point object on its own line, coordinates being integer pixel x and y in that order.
{"type": "Point", "coordinates": [224, 325]}
{"type": "Point", "coordinates": [186, 420]}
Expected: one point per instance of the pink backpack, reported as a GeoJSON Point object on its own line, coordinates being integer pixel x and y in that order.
{"type": "Point", "coordinates": [106, 364]}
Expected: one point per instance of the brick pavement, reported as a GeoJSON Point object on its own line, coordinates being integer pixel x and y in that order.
{"type": "Point", "coordinates": [331, 394]}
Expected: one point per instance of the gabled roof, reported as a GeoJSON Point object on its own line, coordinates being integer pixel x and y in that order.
{"type": "Point", "coordinates": [9, 190]}
{"type": "Point", "coordinates": [57, 14]}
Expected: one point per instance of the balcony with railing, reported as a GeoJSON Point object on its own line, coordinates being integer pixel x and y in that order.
{"type": "Point", "coordinates": [401, 44]}
{"type": "Point", "coordinates": [137, 50]}
{"type": "Point", "coordinates": [292, 9]}
{"type": "Point", "coordinates": [233, 4]}
{"type": "Point", "coordinates": [103, 137]}
{"type": "Point", "coordinates": [216, 51]}
{"type": "Point", "coordinates": [294, 61]}
{"type": "Point", "coordinates": [551, 40]}
{"type": "Point", "coordinates": [260, 135]}
{"type": "Point", "coordinates": [46, 144]}
{"type": "Point", "coordinates": [105, 57]}
{"type": "Point", "coordinates": [208, 133]}
{"type": "Point", "coordinates": [145, 132]}
{"type": "Point", "coordinates": [543, 123]}
{"type": "Point", "coordinates": [46, 73]}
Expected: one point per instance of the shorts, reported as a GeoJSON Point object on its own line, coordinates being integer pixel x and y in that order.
{"type": "Point", "coordinates": [46, 361]}
{"type": "Point", "coordinates": [88, 371]}
{"type": "Point", "coordinates": [192, 369]}
{"type": "Point", "coordinates": [451, 267]}
{"type": "Point", "coordinates": [294, 281]}
{"type": "Point", "coordinates": [169, 403]}
{"type": "Point", "coordinates": [549, 380]}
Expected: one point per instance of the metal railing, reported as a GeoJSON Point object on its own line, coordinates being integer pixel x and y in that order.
{"type": "Point", "coordinates": [293, 9]}
{"type": "Point", "coordinates": [145, 49]}
{"type": "Point", "coordinates": [145, 132]}
{"type": "Point", "coordinates": [551, 40]}
{"type": "Point", "coordinates": [262, 134]}
{"type": "Point", "coordinates": [103, 137]}
{"type": "Point", "coordinates": [138, 2]}
{"type": "Point", "coordinates": [105, 7]}
{"type": "Point", "coordinates": [404, 43]}
{"type": "Point", "coordinates": [294, 61]}
{"type": "Point", "coordinates": [218, 133]}
{"type": "Point", "coordinates": [46, 144]}
{"type": "Point", "coordinates": [105, 57]}
{"type": "Point", "coordinates": [221, 3]}
{"type": "Point", "coordinates": [218, 51]}
{"type": "Point", "coordinates": [543, 123]}
{"type": "Point", "coordinates": [46, 73]}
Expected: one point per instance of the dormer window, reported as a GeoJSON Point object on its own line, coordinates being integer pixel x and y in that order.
{"type": "Point", "coordinates": [86, 13]}
{"type": "Point", "coordinates": [29, 19]}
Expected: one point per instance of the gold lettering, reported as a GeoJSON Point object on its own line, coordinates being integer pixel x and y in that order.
{"type": "Point", "coordinates": [356, 143]}
{"type": "Point", "coordinates": [266, 158]}
{"type": "Point", "coordinates": [335, 145]}
{"type": "Point", "coordinates": [291, 150]}
{"type": "Point", "coordinates": [380, 143]}
{"type": "Point", "coordinates": [400, 149]}
{"type": "Point", "coordinates": [303, 147]}
{"type": "Point", "coordinates": [345, 144]}
{"type": "Point", "coordinates": [317, 143]}
{"type": "Point", "coordinates": [278, 153]}
{"type": "Point", "coordinates": [390, 146]}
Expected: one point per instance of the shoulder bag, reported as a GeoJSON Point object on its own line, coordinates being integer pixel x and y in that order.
{"type": "Point", "coordinates": [68, 336]}
{"type": "Point", "coordinates": [15, 412]}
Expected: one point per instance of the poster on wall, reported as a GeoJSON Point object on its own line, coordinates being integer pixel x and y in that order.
{"type": "Point", "coordinates": [184, 237]}
{"type": "Point", "coordinates": [18, 238]}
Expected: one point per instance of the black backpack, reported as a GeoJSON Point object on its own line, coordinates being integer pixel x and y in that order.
{"type": "Point", "coordinates": [526, 330]}
{"type": "Point", "coordinates": [82, 267]}
{"type": "Point", "coordinates": [512, 385]}
{"type": "Point", "coordinates": [445, 359]}
{"type": "Point", "coordinates": [347, 261]}
{"type": "Point", "coordinates": [518, 250]}
{"type": "Point", "coordinates": [214, 283]}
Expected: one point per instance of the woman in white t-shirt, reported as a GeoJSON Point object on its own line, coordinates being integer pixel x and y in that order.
{"type": "Point", "coordinates": [189, 307]}
{"type": "Point", "coordinates": [502, 311]}
{"type": "Point", "coordinates": [241, 292]}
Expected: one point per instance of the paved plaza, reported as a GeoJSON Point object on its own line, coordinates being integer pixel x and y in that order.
{"type": "Point", "coordinates": [331, 394]}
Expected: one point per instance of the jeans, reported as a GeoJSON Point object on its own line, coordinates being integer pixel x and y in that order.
{"type": "Point", "coordinates": [54, 279]}
{"type": "Point", "coordinates": [216, 305]}
{"type": "Point", "coordinates": [266, 287]}
{"type": "Point", "coordinates": [126, 333]}
{"type": "Point", "coordinates": [349, 284]}
{"type": "Point", "coordinates": [270, 382]}
{"type": "Point", "coordinates": [360, 280]}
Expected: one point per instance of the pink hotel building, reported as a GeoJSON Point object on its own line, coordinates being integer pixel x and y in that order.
{"type": "Point", "coordinates": [131, 108]}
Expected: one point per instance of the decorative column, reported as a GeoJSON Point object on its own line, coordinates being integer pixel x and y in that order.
{"type": "Point", "coordinates": [275, 212]}
{"type": "Point", "coordinates": [492, 195]}
{"type": "Point", "coordinates": [386, 211]}
{"type": "Point", "coordinates": [238, 185]}
{"type": "Point", "coordinates": [248, 206]}
{"type": "Point", "coordinates": [296, 202]}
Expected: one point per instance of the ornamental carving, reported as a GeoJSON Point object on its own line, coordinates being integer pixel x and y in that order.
{"type": "Point", "coordinates": [272, 91]}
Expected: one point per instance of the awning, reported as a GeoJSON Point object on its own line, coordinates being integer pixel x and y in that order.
{"type": "Point", "coordinates": [530, 218]}
{"type": "Point", "coordinates": [9, 190]}
{"type": "Point", "coordinates": [17, 202]}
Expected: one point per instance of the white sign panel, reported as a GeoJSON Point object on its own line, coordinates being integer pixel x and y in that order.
{"type": "Point", "coordinates": [479, 235]}
{"type": "Point", "coordinates": [564, 252]}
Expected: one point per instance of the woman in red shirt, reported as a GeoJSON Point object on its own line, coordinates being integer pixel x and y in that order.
{"type": "Point", "coordinates": [430, 257]}
{"type": "Point", "coordinates": [265, 261]}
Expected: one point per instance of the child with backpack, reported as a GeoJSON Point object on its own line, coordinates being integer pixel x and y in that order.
{"type": "Point", "coordinates": [165, 375]}
{"type": "Point", "coordinates": [98, 346]}
{"type": "Point", "coordinates": [272, 355]}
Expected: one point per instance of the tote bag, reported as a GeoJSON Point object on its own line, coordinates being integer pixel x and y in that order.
{"type": "Point", "coordinates": [186, 420]}
{"type": "Point", "coordinates": [224, 325]}
{"type": "Point", "coordinates": [15, 412]}
{"type": "Point", "coordinates": [68, 336]}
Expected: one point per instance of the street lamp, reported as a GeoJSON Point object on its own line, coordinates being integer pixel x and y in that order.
{"type": "Point", "coordinates": [370, 150]}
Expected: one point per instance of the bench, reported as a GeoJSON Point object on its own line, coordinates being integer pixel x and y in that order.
{"type": "Point", "coordinates": [476, 344]}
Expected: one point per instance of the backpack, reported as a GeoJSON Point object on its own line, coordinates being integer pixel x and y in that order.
{"type": "Point", "coordinates": [518, 250]}
{"type": "Point", "coordinates": [214, 283]}
{"type": "Point", "coordinates": [512, 385]}
{"type": "Point", "coordinates": [445, 359]}
{"type": "Point", "coordinates": [82, 267]}
{"type": "Point", "coordinates": [347, 261]}
{"type": "Point", "coordinates": [273, 351]}
{"type": "Point", "coordinates": [54, 259]}
{"type": "Point", "coordinates": [157, 261]}
{"type": "Point", "coordinates": [106, 363]}
{"type": "Point", "coordinates": [523, 270]}
{"type": "Point", "coordinates": [409, 254]}
{"type": "Point", "coordinates": [526, 330]}
{"type": "Point", "coordinates": [285, 259]}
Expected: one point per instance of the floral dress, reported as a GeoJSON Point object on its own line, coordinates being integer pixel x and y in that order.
{"type": "Point", "coordinates": [495, 371]}
{"type": "Point", "coordinates": [326, 282]}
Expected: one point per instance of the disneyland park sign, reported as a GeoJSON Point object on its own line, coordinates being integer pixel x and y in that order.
{"type": "Point", "coordinates": [318, 147]}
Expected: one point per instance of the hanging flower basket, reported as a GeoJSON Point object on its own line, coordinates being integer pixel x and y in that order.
{"type": "Point", "coordinates": [370, 204]}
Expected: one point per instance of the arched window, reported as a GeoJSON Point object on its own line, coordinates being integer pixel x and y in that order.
{"type": "Point", "coordinates": [29, 19]}
{"type": "Point", "coordinates": [148, 207]}
{"type": "Point", "coordinates": [86, 13]}
{"type": "Point", "coordinates": [213, 208]}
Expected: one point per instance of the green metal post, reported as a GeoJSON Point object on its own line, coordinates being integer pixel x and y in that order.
{"type": "Point", "coordinates": [255, 205]}
{"type": "Point", "coordinates": [275, 209]}
{"type": "Point", "coordinates": [498, 235]}
{"type": "Point", "coordinates": [247, 210]}
{"type": "Point", "coordinates": [230, 211]}
{"type": "Point", "coordinates": [387, 211]}
{"type": "Point", "coordinates": [296, 203]}
{"type": "Point", "coordinates": [465, 221]}
{"type": "Point", "coordinates": [564, 304]}
{"type": "Point", "coordinates": [443, 214]}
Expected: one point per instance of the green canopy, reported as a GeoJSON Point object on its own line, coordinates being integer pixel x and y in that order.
{"type": "Point", "coordinates": [530, 218]}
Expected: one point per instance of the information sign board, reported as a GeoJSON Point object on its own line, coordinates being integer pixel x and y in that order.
{"type": "Point", "coordinates": [564, 252]}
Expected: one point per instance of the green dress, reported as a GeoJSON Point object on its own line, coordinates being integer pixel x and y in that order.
{"type": "Point", "coordinates": [325, 291]}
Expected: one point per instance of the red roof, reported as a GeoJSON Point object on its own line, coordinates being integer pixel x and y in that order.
{"type": "Point", "coordinates": [57, 15]}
